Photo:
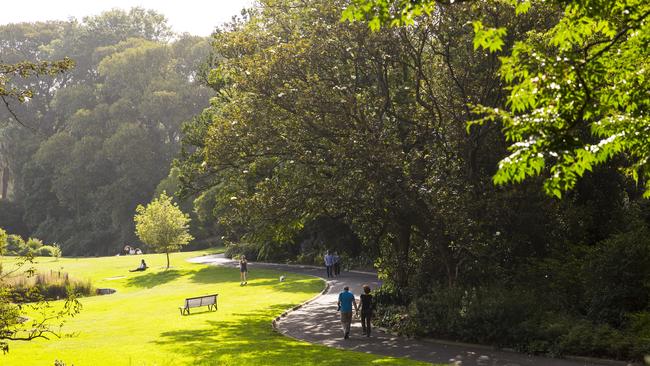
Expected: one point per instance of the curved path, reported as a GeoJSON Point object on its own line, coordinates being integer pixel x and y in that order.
{"type": "Point", "coordinates": [318, 322]}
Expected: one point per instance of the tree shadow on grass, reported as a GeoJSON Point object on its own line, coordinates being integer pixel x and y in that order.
{"type": "Point", "coordinates": [210, 275]}
{"type": "Point", "coordinates": [214, 274]}
{"type": "Point", "coordinates": [286, 286]}
{"type": "Point", "coordinates": [153, 279]}
{"type": "Point", "coordinates": [248, 339]}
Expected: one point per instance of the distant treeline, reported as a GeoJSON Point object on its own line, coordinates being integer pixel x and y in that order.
{"type": "Point", "coordinates": [94, 142]}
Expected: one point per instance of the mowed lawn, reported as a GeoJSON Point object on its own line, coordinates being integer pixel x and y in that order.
{"type": "Point", "coordinates": [140, 324]}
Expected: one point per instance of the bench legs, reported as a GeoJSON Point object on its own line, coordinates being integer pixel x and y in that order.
{"type": "Point", "coordinates": [186, 311]}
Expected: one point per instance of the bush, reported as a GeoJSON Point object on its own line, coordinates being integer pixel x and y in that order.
{"type": "Point", "coordinates": [48, 251]}
{"type": "Point", "coordinates": [511, 318]}
{"type": "Point", "coordinates": [34, 244]}
{"type": "Point", "coordinates": [638, 326]}
{"type": "Point", "coordinates": [16, 245]}
{"type": "Point", "coordinates": [234, 250]}
{"type": "Point", "coordinates": [47, 286]}
{"type": "Point", "coordinates": [617, 276]}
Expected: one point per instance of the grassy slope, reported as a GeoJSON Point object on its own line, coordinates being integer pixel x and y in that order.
{"type": "Point", "coordinates": [141, 323]}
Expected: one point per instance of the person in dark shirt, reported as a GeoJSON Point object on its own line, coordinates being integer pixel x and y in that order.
{"type": "Point", "coordinates": [366, 310]}
{"type": "Point", "coordinates": [243, 270]}
{"type": "Point", "coordinates": [142, 267]}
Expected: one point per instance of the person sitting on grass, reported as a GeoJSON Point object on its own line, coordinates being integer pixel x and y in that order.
{"type": "Point", "coordinates": [142, 267]}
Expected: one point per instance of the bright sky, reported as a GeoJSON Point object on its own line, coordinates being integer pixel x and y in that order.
{"type": "Point", "coordinates": [198, 17]}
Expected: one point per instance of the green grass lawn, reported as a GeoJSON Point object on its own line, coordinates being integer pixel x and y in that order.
{"type": "Point", "coordinates": [140, 324]}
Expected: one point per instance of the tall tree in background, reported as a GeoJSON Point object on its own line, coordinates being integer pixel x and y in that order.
{"type": "Point", "coordinates": [106, 132]}
{"type": "Point", "coordinates": [13, 327]}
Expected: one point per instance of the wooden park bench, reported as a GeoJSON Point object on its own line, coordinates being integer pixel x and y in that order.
{"type": "Point", "coordinates": [194, 302]}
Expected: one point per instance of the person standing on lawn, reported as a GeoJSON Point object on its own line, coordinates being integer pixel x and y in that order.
{"type": "Point", "coordinates": [243, 270]}
{"type": "Point", "coordinates": [345, 304]}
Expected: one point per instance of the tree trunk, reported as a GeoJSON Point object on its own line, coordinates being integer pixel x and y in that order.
{"type": "Point", "coordinates": [167, 259]}
{"type": "Point", "coordinates": [4, 183]}
{"type": "Point", "coordinates": [403, 246]}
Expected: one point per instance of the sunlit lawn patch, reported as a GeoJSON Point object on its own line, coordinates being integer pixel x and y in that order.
{"type": "Point", "coordinates": [140, 324]}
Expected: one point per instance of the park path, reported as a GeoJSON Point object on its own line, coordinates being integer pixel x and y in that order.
{"type": "Point", "coordinates": [318, 322]}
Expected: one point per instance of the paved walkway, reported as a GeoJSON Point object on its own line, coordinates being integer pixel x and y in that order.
{"type": "Point", "coordinates": [318, 322]}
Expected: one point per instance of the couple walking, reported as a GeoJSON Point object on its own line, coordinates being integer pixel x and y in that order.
{"type": "Point", "coordinates": [332, 264]}
{"type": "Point", "coordinates": [347, 301]}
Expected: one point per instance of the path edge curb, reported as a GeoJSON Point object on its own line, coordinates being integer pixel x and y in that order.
{"type": "Point", "coordinates": [274, 322]}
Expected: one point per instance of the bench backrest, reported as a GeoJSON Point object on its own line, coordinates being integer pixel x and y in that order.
{"type": "Point", "coordinates": [194, 302]}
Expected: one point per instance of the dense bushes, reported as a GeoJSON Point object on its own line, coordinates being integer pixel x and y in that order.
{"type": "Point", "coordinates": [514, 319]}
{"type": "Point", "coordinates": [47, 286]}
{"type": "Point", "coordinates": [251, 251]}
{"type": "Point", "coordinates": [15, 245]}
{"type": "Point", "coordinates": [585, 300]}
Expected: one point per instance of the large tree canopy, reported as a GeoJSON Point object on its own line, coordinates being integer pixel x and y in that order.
{"type": "Point", "coordinates": [578, 91]}
{"type": "Point", "coordinates": [106, 131]}
{"type": "Point", "coordinates": [317, 118]}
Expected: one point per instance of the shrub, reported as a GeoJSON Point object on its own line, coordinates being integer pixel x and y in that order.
{"type": "Point", "coordinates": [512, 318]}
{"type": "Point", "coordinates": [47, 286]}
{"type": "Point", "coordinates": [617, 276]}
{"type": "Point", "coordinates": [250, 250]}
{"type": "Point", "coordinates": [34, 244]}
{"type": "Point", "coordinates": [638, 326]}
{"type": "Point", "coordinates": [48, 251]}
{"type": "Point", "coordinates": [3, 241]}
{"type": "Point", "coordinates": [16, 245]}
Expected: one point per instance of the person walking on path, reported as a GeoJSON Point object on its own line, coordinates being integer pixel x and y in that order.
{"type": "Point", "coordinates": [243, 270]}
{"type": "Point", "coordinates": [329, 262]}
{"type": "Point", "coordinates": [345, 303]}
{"type": "Point", "coordinates": [366, 310]}
{"type": "Point", "coordinates": [337, 264]}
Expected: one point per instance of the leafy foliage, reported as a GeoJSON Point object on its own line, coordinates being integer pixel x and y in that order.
{"type": "Point", "coordinates": [578, 96]}
{"type": "Point", "coordinates": [162, 225]}
{"type": "Point", "coordinates": [47, 320]}
{"type": "Point", "coordinates": [106, 131]}
{"type": "Point", "coordinates": [578, 90]}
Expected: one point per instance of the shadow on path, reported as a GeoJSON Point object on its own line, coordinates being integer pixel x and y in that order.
{"type": "Point", "coordinates": [240, 339]}
{"type": "Point", "coordinates": [318, 322]}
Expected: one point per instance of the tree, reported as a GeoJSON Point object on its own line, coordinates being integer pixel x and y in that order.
{"type": "Point", "coordinates": [363, 128]}
{"type": "Point", "coordinates": [26, 69]}
{"type": "Point", "coordinates": [578, 97]}
{"type": "Point", "coordinates": [104, 140]}
{"type": "Point", "coordinates": [162, 225]}
{"type": "Point", "coordinates": [578, 90]}
{"type": "Point", "coordinates": [3, 243]}
{"type": "Point", "coordinates": [13, 327]}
